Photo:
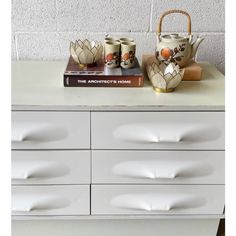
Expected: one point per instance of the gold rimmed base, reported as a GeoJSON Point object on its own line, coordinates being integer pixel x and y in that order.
{"type": "Point", "coordinates": [160, 90]}
{"type": "Point", "coordinates": [87, 65]}
{"type": "Point", "coordinates": [81, 65]}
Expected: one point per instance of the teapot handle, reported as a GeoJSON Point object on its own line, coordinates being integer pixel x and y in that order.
{"type": "Point", "coordinates": [159, 26]}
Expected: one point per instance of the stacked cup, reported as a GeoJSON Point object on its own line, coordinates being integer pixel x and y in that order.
{"type": "Point", "coordinates": [119, 52]}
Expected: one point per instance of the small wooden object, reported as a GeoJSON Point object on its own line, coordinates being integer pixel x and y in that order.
{"type": "Point", "coordinates": [193, 72]}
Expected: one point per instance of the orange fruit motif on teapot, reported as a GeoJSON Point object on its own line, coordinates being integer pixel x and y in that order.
{"type": "Point", "coordinates": [166, 53]}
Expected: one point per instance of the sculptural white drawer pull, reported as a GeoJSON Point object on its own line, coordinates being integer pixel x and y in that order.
{"type": "Point", "coordinates": [153, 175]}
{"type": "Point", "coordinates": [21, 209]}
{"type": "Point", "coordinates": [37, 132]}
{"type": "Point", "coordinates": [148, 133]}
{"type": "Point", "coordinates": [153, 202]}
{"type": "Point", "coordinates": [150, 169]}
{"type": "Point", "coordinates": [166, 139]}
{"type": "Point", "coordinates": [20, 176]}
{"type": "Point", "coordinates": [18, 138]}
{"type": "Point", "coordinates": [28, 203]}
{"type": "Point", "coordinates": [23, 170]}
{"type": "Point", "coordinates": [50, 130]}
{"type": "Point", "coordinates": [127, 170]}
{"type": "Point", "coordinates": [50, 200]}
{"type": "Point", "coordinates": [28, 169]}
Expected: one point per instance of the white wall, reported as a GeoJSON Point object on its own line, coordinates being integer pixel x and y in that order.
{"type": "Point", "coordinates": [42, 29]}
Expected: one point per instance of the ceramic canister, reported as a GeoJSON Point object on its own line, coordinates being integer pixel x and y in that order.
{"type": "Point", "coordinates": [127, 54]}
{"type": "Point", "coordinates": [112, 54]}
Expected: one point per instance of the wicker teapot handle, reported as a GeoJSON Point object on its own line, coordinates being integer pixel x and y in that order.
{"type": "Point", "coordinates": [159, 26]}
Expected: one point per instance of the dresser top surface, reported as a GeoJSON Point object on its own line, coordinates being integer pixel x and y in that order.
{"type": "Point", "coordinates": [38, 85]}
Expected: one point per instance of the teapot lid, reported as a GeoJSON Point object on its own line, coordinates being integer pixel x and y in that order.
{"type": "Point", "coordinates": [173, 37]}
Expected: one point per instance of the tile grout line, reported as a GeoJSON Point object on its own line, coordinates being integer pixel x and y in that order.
{"type": "Point", "coordinates": [56, 9]}
{"type": "Point", "coordinates": [116, 32]}
{"type": "Point", "coordinates": [150, 19]}
{"type": "Point", "coordinates": [16, 47]}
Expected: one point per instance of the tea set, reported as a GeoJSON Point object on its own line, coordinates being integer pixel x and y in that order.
{"type": "Point", "coordinates": [119, 52]}
{"type": "Point", "coordinates": [173, 53]}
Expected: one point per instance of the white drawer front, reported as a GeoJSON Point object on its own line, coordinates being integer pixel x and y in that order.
{"type": "Point", "coordinates": [159, 167]}
{"type": "Point", "coordinates": [50, 130]}
{"type": "Point", "coordinates": [154, 199]}
{"type": "Point", "coordinates": [158, 130]}
{"type": "Point", "coordinates": [50, 200]}
{"type": "Point", "coordinates": [50, 167]}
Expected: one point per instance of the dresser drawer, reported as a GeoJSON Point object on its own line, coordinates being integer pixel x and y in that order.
{"type": "Point", "coordinates": [158, 130]}
{"type": "Point", "coordinates": [50, 167]}
{"type": "Point", "coordinates": [159, 167]}
{"type": "Point", "coordinates": [51, 200]}
{"type": "Point", "coordinates": [50, 130]}
{"type": "Point", "coordinates": [157, 199]}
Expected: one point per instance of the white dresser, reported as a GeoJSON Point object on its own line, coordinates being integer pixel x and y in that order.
{"type": "Point", "coordinates": [119, 161]}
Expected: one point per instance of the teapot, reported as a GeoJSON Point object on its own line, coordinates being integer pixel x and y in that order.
{"type": "Point", "coordinates": [173, 48]}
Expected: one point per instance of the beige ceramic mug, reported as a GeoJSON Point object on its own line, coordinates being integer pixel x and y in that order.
{"type": "Point", "coordinates": [127, 54]}
{"type": "Point", "coordinates": [112, 54]}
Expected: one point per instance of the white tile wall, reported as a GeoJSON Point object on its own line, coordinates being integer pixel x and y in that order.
{"type": "Point", "coordinates": [103, 15]}
{"type": "Point", "coordinates": [34, 15]}
{"type": "Point", "coordinates": [42, 30]}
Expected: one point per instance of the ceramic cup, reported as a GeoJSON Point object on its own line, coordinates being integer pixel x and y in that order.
{"type": "Point", "coordinates": [127, 54]}
{"type": "Point", "coordinates": [110, 39]}
{"type": "Point", "coordinates": [122, 40]}
{"type": "Point", "coordinates": [112, 54]}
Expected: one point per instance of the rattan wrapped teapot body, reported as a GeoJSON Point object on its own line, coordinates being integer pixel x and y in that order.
{"type": "Point", "coordinates": [175, 48]}
{"type": "Point", "coordinates": [164, 77]}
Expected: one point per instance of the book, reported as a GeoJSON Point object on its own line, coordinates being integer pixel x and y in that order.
{"type": "Point", "coordinates": [101, 76]}
{"type": "Point", "coordinates": [193, 72]}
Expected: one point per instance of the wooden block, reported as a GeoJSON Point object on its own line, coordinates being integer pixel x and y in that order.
{"type": "Point", "coordinates": [193, 72]}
